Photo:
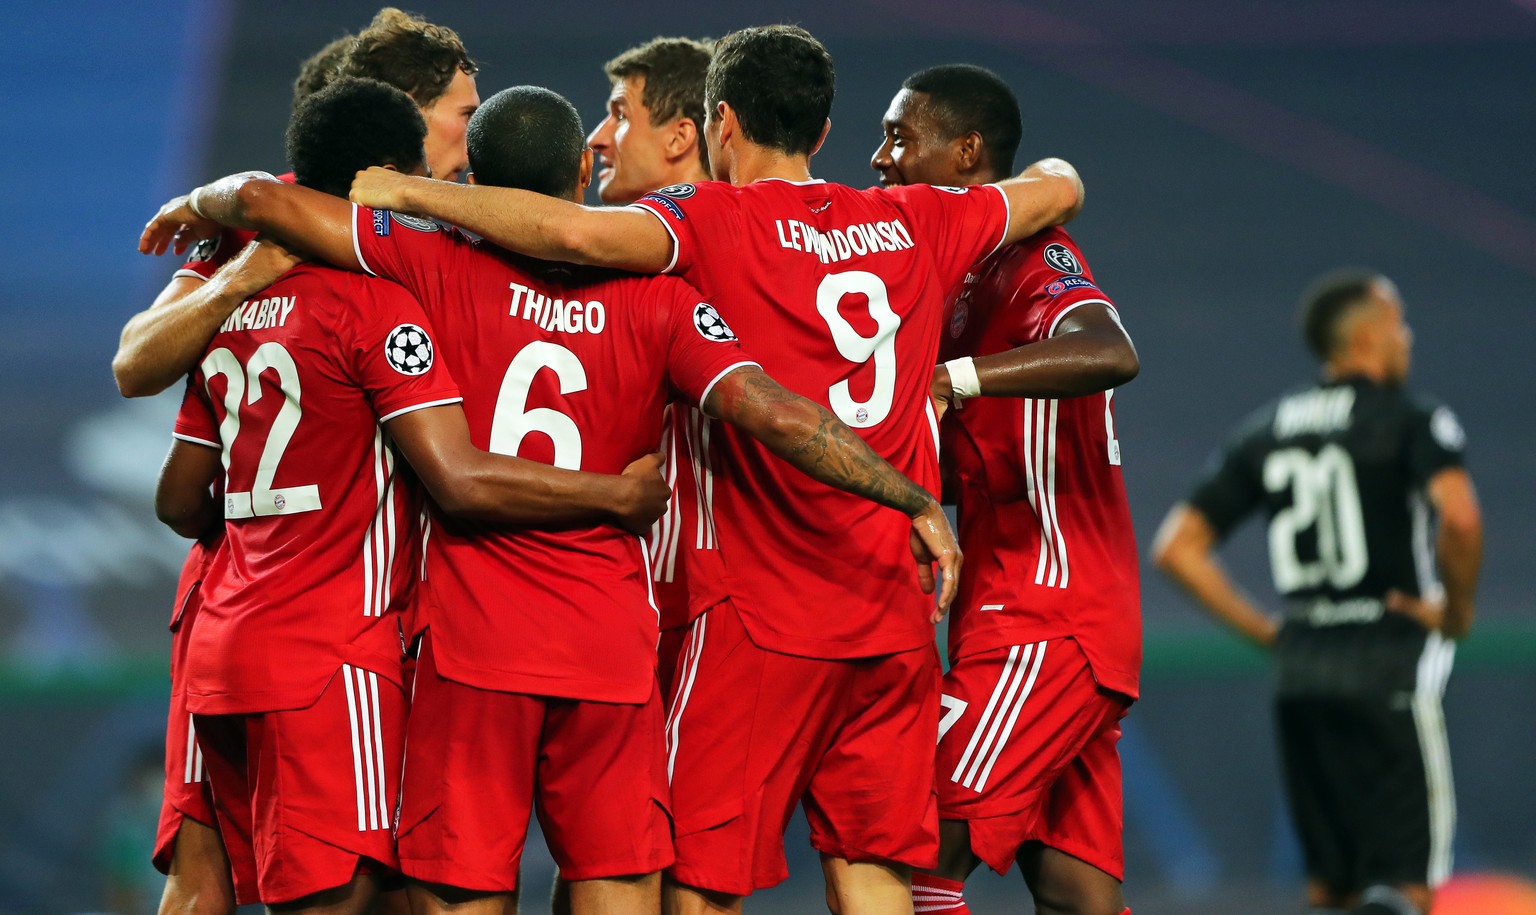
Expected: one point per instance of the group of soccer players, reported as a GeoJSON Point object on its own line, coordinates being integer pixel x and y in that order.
{"type": "Point", "coordinates": [442, 582]}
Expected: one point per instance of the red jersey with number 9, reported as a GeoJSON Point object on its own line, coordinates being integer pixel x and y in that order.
{"type": "Point", "coordinates": [571, 367]}
{"type": "Point", "coordinates": [840, 293]}
{"type": "Point", "coordinates": [322, 531]}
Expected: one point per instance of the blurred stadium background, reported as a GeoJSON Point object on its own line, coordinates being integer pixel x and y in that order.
{"type": "Point", "coordinates": [1231, 150]}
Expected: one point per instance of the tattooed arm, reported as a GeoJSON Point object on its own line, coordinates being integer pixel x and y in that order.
{"type": "Point", "coordinates": [818, 444]}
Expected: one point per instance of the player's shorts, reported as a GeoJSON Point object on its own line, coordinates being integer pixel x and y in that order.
{"type": "Point", "coordinates": [306, 798]}
{"type": "Point", "coordinates": [186, 791]}
{"type": "Point", "coordinates": [1369, 788]}
{"type": "Point", "coordinates": [669, 651]}
{"type": "Point", "coordinates": [1027, 753]}
{"type": "Point", "coordinates": [752, 732]}
{"type": "Point", "coordinates": [479, 760]}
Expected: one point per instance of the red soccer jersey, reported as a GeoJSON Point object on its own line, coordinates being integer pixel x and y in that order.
{"type": "Point", "coordinates": [683, 541]}
{"type": "Point", "coordinates": [1044, 523]}
{"type": "Point", "coordinates": [840, 293]}
{"type": "Point", "coordinates": [322, 541]}
{"type": "Point", "coordinates": [572, 368]}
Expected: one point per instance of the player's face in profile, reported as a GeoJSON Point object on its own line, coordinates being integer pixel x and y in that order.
{"type": "Point", "coordinates": [631, 151]}
{"type": "Point", "coordinates": [914, 149]}
{"type": "Point", "coordinates": [1395, 335]}
{"type": "Point", "coordinates": [447, 124]}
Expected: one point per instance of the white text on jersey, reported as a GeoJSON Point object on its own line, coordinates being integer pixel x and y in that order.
{"type": "Point", "coordinates": [256, 314]}
{"type": "Point", "coordinates": [1318, 411]}
{"type": "Point", "coordinates": [841, 244]}
{"type": "Point", "coordinates": [573, 317]}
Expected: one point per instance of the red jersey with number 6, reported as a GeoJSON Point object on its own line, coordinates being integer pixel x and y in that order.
{"type": "Point", "coordinates": [294, 389]}
{"type": "Point", "coordinates": [1044, 522]}
{"type": "Point", "coordinates": [840, 293]}
{"type": "Point", "coordinates": [571, 367]}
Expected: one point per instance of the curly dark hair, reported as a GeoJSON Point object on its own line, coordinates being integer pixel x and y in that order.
{"type": "Point", "coordinates": [350, 125]}
{"type": "Point", "coordinates": [779, 80]}
{"type": "Point", "coordinates": [320, 68]}
{"type": "Point", "coordinates": [409, 53]}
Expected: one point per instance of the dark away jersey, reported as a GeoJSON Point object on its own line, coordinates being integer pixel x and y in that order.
{"type": "Point", "coordinates": [1340, 469]}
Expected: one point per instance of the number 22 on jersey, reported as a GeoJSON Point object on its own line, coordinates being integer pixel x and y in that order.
{"type": "Point", "coordinates": [244, 389]}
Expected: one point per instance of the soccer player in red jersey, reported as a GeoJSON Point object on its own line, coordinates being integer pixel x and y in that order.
{"type": "Point", "coordinates": [811, 619]}
{"type": "Point", "coordinates": [160, 344]}
{"type": "Point", "coordinates": [651, 138]}
{"type": "Point", "coordinates": [294, 668]}
{"type": "Point", "coordinates": [606, 352]}
{"type": "Point", "coordinates": [1045, 638]}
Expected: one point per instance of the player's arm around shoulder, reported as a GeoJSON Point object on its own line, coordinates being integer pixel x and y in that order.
{"type": "Point", "coordinates": [810, 438]}
{"type": "Point", "coordinates": [1047, 193]}
{"type": "Point", "coordinates": [528, 223]}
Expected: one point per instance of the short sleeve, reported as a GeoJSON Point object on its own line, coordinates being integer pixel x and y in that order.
{"type": "Point", "coordinates": [1230, 489]}
{"type": "Point", "coordinates": [1050, 279]}
{"type": "Point", "coordinates": [1436, 441]}
{"type": "Point", "coordinates": [960, 225]}
{"type": "Point", "coordinates": [694, 215]}
{"type": "Point", "coordinates": [701, 348]}
{"type": "Point", "coordinates": [195, 421]}
{"type": "Point", "coordinates": [394, 356]}
{"type": "Point", "coordinates": [414, 252]}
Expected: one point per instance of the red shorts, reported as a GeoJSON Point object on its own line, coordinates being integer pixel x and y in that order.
{"type": "Point", "coordinates": [1027, 753]}
{"type": "Point", "coordinates": [669, 650]}
{"type": "Point", "coordinates": [752, 732]}
{"type": "Point", "coordinates": [480, 759]}
{"type": "Point", "coordinates": [186, 791]}
{"type": "Point", "coordinates": [307, 797]}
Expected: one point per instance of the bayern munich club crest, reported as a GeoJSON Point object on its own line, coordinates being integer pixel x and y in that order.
{"type": "Point", "coordinates": [408, 350]}
{"type": "Point", "coordinates": [710, 325]}
{"type": "Point", "coordinates": [1059, 257]}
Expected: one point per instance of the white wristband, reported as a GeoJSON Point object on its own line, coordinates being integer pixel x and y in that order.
{"type": "Point", "coordinates": [962, 378]}
{"type": "Point", "coordinates": [192, 202]}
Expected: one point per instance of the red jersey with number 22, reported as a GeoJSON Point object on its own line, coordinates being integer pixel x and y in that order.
{"type": "Point", "coordinates": [294, 389]}
{"type": "Point", "coordinates": [840, 294]}
{"type": "Point", "coordinates": [571, 367]}
{"type": "Point", "coordinates": [1044, 522]}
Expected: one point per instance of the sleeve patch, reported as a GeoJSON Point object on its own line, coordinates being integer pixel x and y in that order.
{"type": "Point", "coordinates": [415, 222]}
{"type": "Point", "coordinates": [381, 223]}
{"type": "Point", "coordinates": [710, 325]}
{"type": "Point", "coordinates": [678, 191]}
{"type": "Point", "coordinates": [206, 249]}
{"type": "Point", "coordinates": [1060, 258]}
{"type": "Point", "coordinates": [951, 190]}
{"type": "Point", "coordinates": [1068, 283]}
{"type": "Point", "coordinates": [408, 350]}
{"type": "Point", "coordinates": [666, 203]}
{"type": "Point", "coordinates": [1447, 430]}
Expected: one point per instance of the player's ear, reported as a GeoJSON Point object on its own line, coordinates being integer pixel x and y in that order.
{"type": "Point", "coordinates": [967, 151]}
{"type": "Point", "coordinates": [684, 139]}
{"type": "Point", "coordinates": [726, 118]}
{"type": "Point", "coordinates": [584, 178]}
{"type": "Point", "coordinates": [825, 129]}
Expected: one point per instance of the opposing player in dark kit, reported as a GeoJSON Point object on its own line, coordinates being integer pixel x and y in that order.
{"type": "Point", "coordinates": [807, 614]}
{"type": "Point", "coordinates": [1366, 493]}
{"type": "Point", "coordinates": [1044, 640]}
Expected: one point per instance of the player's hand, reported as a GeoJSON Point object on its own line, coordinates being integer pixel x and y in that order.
{"type": "Point", "coordinates": [380, 188]}
{"type": "Point", "coordinates": [263, 262]}
{"type": "Point", "coordinates": [176, 228]}
{"type": "Point", "coordinates": [941, 392]}
{"type": "Point", "coordinates": [1427, 613]}
{"type": "Point", "coordinates": [933, 541]}
{"type": "Point", "coordinates": [649, 495]}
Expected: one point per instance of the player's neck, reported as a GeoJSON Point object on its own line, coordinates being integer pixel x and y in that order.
{"type": "Point", "coordinates": [751, 163]}
{"type": "Point", "coordinates": [1355, 367]}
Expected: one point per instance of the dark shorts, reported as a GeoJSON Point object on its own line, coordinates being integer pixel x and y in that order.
{"type": "Point", "coordinates": [1369, 784]}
